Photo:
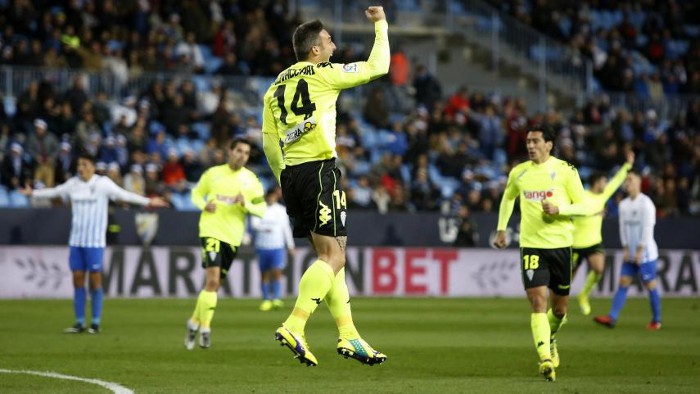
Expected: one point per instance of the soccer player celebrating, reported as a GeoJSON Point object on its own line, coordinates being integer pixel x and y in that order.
{"type": "Point", "coordinates": [225, 194]}
{"type": "Point", "coordinates": [299, 111]}
{"type": "Point", "coordinates": [89, 195]}
{"type": "Point", "coordinates": [639, 252]}
{"type": "Point", "coordinates": [588, 241]}
{"type": "Point", "coordinates": [272, 234]}
{"type": "Point", "coordinates": [550, 190]}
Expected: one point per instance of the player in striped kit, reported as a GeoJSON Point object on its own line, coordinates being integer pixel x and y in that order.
{"type": "Point", "coordinates": [273, 236]}
{"type": "Point", "coordinates": [89, 195]}
{"type": "Point", "coordinates": [639, 252]}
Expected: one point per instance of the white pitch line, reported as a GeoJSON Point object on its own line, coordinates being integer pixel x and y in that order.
{"type": "Point", "coordinates": [114, 387]}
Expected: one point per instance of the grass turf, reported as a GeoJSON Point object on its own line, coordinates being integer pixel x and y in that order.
{"type": "Point", "coordinates": [434, 345]}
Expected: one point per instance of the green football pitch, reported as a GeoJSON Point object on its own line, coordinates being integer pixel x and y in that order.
{"type": "Point", "coordinates": [434, 346]}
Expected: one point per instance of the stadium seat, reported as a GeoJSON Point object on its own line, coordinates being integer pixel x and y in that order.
{"type": "Point", "coordinates": [10, 104]}
{"type": "Point", "coordinates": [18, 200]}
{"type": "Point", "coordinates": [4, 197]}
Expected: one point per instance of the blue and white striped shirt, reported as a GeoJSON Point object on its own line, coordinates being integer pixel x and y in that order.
{"type": "Point", "coordinates": [273, 230]}
{"type": "Point", "coordinates": [89, 203]}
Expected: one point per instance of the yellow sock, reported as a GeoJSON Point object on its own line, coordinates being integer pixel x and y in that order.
{"type": "Point", "coordinates": [313, 287]}
{"type": "Point", "coordinates": [338, 300]}
{"type": "Point", "coordinates": [197, 309]}
{"type": "Point", "coordinates": [555, 323]}
{"type": "Point", "coordinates": [207, 307]}
{"type": "Point", "coordinates": [540, 333]}
{"type": "Point", "coordinates": [592, 279]}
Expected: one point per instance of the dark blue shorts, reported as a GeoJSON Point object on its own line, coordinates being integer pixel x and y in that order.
{"type": "Point", "coordinates": [646, 270]}
{"type": "Point", "coordinates": [86, 259]}
{"type": "Point", "coordinates": [271, 259]}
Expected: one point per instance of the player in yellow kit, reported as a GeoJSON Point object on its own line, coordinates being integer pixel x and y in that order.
{"type": "Point", "coordinates": [588, 241]}
{"type": "Point", "coordinates": [550, 190]}
{"type": "Point", "coordinates": [299, 114]}
{"type": "Point", "coordinates": [226, 194]}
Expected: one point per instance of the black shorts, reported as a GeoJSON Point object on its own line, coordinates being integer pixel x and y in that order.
{"type": "Point", "coordinates": [579, 254]}
{"type": "Point", "coordinates": [547, 267]}
{"type": "Point", "coordinates": [313, 198]}
{"type": "Point", "coordinates": [216, 253]}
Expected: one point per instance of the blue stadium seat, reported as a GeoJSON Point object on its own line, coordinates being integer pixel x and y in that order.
{"type": "Point", "coordinates": [548, 53]}
{"type": "Point", "coordinates": [203, 130]}
{"type": "Point", "coordinates": [10, 104]}
{"type": "Point", "coordinates": [178, 201]}
{"type": "Point", "coordinates": [4, 197]}
{"type": "Point", "coordinates": [692, 30]}
{"type": "Point", "coordinates": [18, 200]}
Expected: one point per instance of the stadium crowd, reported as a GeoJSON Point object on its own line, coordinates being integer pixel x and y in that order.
{"type": "Point", "coordinates": [444, 150]}
{"type": "Point", "coordinates": [648, 47]}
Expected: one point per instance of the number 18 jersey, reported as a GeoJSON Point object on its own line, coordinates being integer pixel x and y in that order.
{"type": "Point", "coordinates": [299, 106]}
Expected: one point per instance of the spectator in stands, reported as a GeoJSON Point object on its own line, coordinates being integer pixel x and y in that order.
{"type": "Point", "coordinates": [375, 111]}
{"type": "Point", "coordinates": [190, 54]}
{"type": "Point", "coordinates": [362, 194]}
{"type": "Point", "coordinates": [173, 174]}
{"type": "Point", "coordinates": [43, 148]}
{"type": "Point", "coordinates": [467, 233]}
{"type": "Point", "coordinates": [63, 165]}
{"type": "Point", "coordinates": [16, 170]}
{"type": "Point", "coordinates": [230, 66]}
{"type": "Point", "coordinates": [425, 196]}
{"type": "Point", "coordinates": [191, 166]}
{"type": "Point", "coordinates": [458, 102]}
{"type": "Point", "coordinates": [427, 88]}
{"type": "Point", "coordinates": [134, 180]}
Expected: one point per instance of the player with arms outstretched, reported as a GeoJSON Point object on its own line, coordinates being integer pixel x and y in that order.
{"type": "Point", "coordinates": [89, 195]}
{"type": "Point", "coordinates": [299, 114]}
{"type": "Point", "coordinates": [588, 241]}
{"type": "Point", "coordinates": [550, 190]}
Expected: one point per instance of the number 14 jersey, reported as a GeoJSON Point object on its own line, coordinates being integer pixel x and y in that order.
{"type": "Point", "coordinates": [299, 106]}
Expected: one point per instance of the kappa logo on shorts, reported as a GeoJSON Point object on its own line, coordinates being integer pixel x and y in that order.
{"type": "Point", "coordinates": [324, 214]}
{"type": "Point", "coordinates": [530, 274]}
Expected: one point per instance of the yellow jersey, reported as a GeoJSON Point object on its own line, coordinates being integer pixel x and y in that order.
{"type": "Point", "coordinates": [587, 229]}
{"type": "Point", "coordinates": [554, 180]}
{"type": "Point", "coordinates": [222, 184]}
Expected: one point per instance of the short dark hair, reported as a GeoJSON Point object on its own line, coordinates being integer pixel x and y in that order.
{"type": "Point", "coordinates": [548, 133]}
{"type": "Point", "coordinates": [236, 141]}
{"type": "Point", "coordinates": [305, 36]}
{"type": "Point", "coordinates": [595, 177]}
{"type": "Point", "coordinates": [87, 156]}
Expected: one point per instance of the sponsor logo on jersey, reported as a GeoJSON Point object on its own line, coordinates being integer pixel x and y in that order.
{"type": "Point", "coordinates": [230, 200]}
{"type": "Point", "coordinates": [350, 68]}
{"type": "Point", "coordinates": [299, 130]}
{"type": "Point", "coordinates": [537, 195]}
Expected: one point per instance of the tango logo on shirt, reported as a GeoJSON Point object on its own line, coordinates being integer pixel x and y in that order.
{"type": "Point", "coordinates": [537, 195]}
{"type": "Point", "coordinates": [230, 200]}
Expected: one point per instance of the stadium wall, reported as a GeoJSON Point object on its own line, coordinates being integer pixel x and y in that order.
{"type": "Point", "coordinates": [161, 271]}
{"type": "Point", "coordinates": [176, 228]}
